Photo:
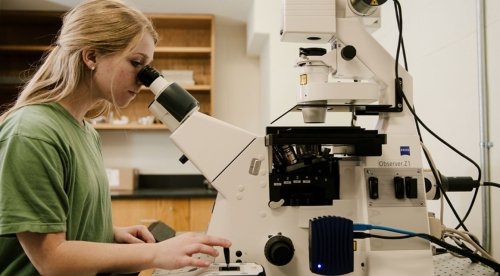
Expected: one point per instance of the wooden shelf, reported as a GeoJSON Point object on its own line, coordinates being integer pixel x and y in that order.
{"type": "Point", "coordinates": [186, 42]}
{"type": "Point", "coordinates": [131, 126]}
{"type": "Point", "coordinates": [24, 48]}
{"type": "Point", "coordinates": [182, 52]}
{"type": "Point", "coordinates": [190, 88]}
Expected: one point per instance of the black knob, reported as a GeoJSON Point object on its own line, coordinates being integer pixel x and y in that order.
{"type": "Point", "coordinates": [348, 52]}
{"type": "Point", "coordinates": [279, 250]}
{"type": "Point", "coordinates": [183, 159]}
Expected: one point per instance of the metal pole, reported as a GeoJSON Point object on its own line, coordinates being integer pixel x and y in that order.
{"type": "Point", "coordinates": [485, 144]}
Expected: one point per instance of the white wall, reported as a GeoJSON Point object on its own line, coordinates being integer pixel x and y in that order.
{"type": "Point", "coordinates": [236, 100]}
{"type": "Point", "coordinates": [440, 38]}
{"type": "Point", "coordinates": [237, 97]}
{"type": "Point", "coordinates": [442, 49]}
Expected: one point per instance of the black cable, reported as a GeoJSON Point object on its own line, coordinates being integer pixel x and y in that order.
{"type": "Point", "coordinates": [399, 16]}
{"type": "Point", "coordinates": [399, 90]}
{"type": "Point", "coordinates": [493, 184]}
{"type": "Point", "coordinates": [363, 235]}
{"type": "Point", "coordinates": [471, 255]}
{"type": "Point", "coordinates": [399, 21]}
{"type": "Point", "coordinates": [458, 242]}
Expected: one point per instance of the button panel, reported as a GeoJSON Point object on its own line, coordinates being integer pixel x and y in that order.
{"type": "Point", "coordinates": [395, 187]}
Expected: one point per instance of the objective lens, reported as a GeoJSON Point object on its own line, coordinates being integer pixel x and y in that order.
{"type": "Point", "coordinates": [289, 154]}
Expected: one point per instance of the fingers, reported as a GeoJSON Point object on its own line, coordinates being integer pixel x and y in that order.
{"type": "Point", "coordinates": [209, 240]}
{"type": "Point", "coordinates": [217, 241]}
{"type": "Point", "coordinates": [131, 239]}
{"type": "Point", "coordinates": [182, 250]}
{"type": "Point", "coordinates": [146, 235]}
{"type": "Point", "coordinates": [133, 234]}
{"type": "Point", "coordinates": [199, 262]}
{"type": "Point", "coordinates": [201, 248]}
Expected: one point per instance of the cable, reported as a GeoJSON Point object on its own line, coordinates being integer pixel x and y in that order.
{"type": "Point", "coordinates": [433, 167]}
{"type": "Point", "coordinates": [399, 89]}
{"type": "Point", "coordinates": [363, 235]}
{"type": "Point", "coordinates": [467, 253]}
{"type": "Point", "coordinates": [399, 18]}
{"type": "Point", "coordinates": [493, 184]}
{"type": "Point", "coordinates": [365, 227]}
{"type": "Point", "coordinates": [451, 248]}
{"type": "Point", "coordinates": [469, 238]}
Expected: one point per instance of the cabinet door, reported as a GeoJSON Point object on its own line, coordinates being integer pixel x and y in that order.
{"type": "Point", "coordinates": [200, 213]}
{"type": "Point", "coordinates": [24, 37]}
{"type": "Point", "coordinates": [184, 54]}
{"type": "Point", "coordinates": [174, 212]}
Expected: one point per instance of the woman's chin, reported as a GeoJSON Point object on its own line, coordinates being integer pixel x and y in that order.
{"type": "Point", "coordinates": [124, 103]}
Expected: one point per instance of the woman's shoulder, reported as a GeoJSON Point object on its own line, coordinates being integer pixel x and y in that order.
{"type": "Point", "coordinates": [35, 121]}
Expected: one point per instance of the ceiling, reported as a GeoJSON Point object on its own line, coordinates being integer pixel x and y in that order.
{"type": "Point", "coordinates": [232, 10]}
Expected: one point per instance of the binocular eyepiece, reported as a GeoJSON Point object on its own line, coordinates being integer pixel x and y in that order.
{"type": "Point", "coordinates": [147, 75]}
{"type": "Point", "coordinates": [172, 104]}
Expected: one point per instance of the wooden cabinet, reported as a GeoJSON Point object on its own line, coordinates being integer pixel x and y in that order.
{"type": "Point", "coordinates": [25, 36]}
{"type": "Point", "coordinates": [181, 214]}
{"type": "Point", "coordinates": [200, 212]}
{"type": "Point", "coordinates": [186, 42]}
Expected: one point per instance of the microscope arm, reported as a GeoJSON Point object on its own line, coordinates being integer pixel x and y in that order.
{"type": "Point", "coordinates": [210, 144]}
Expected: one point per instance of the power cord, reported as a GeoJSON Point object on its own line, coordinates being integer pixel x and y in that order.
{"type": "Point", "coordinates": [358, 234]}
{"type": "Point", "coordinates": [492, 184]}
{"type": "Point", "coordinates": [418, 121]}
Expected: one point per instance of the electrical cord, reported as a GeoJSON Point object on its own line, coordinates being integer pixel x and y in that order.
{"type": "Point", "coordinates": [468, 238]}
{"type": "Point", "coordinates": [399, 18]}
{"type": "Point", "coordinates": [451, 248]}
{"type": "Point", "coordinates": [433, 167]}
{"type": "Point", "coordinates": [408, 234]}
{"type": "Point", "coordinates": [399, 89]}
{"type": "Point", "coordinates": [492, 184]}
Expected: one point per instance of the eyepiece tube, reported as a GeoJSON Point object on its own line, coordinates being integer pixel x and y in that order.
{"type": "Point", "coordinates": [365, 7]}
{"type": "Point", "coordinates": [172, 104]}
{"type": "Point", "coordinates": [147, 75]}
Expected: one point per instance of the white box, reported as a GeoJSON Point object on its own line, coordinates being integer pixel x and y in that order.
{"type": "Point", "coordinates": [122, 179]}
{"type": "Point", "coordinates": [182, 77]}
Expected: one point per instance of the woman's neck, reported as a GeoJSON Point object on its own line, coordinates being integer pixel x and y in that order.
{"type": "Point", "coordinates": [78, 104]}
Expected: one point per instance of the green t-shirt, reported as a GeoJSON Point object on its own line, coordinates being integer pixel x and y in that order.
{"type": "Point", "coordinates": [52, 179]}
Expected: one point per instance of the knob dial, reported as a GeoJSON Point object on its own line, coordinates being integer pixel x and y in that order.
{"type": "Point", "coordinates": [348, 52]}
{"type": "Point", "coordinates": [279, 250]}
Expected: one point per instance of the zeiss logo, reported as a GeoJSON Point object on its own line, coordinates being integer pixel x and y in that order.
{"type": "Point", "coordinates": [404, 150]}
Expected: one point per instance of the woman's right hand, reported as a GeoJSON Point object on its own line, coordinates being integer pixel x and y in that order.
{"type": "Point", "coordinates": [177, 252]}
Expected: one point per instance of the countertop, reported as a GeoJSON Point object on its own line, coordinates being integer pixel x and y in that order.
{"type": "Point", "coordinates": [168, 186]}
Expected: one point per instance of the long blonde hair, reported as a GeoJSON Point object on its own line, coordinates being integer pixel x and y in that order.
{"type": "Point", "coordinates": [107, 26]}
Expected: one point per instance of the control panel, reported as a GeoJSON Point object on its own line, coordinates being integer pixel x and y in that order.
{"type": "Point", "coordinates": [395, 187]}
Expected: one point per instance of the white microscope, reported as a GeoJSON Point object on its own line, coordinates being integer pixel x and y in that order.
{"type": "Point", "coordinates": [280, 196]}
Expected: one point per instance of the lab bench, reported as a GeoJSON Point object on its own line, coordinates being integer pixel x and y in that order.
{"type": "Point", "coordinates": [184, 202]}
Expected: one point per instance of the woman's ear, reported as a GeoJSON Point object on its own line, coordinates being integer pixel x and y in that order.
{"type": "Point", "coordinates": [89, 58]}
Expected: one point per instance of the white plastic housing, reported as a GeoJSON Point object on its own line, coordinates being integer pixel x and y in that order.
{"type": "Point", "coordinates": [210, 144]}
{"type": "Point", "coordinates": [303, 19]}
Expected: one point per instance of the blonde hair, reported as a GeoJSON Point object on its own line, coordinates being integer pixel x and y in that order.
{"type": "Point", "coordinates": [106, 26]}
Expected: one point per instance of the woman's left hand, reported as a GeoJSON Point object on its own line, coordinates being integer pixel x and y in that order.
{"type": "Point", "coordinates": [133, 234]}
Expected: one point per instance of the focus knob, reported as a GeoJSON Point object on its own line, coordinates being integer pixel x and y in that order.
{"type": "Point", "coordinates": [279, 250]}
{"type": "Point", "coordinates": [348, 52]}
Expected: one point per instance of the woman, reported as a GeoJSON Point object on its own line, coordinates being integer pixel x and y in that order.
{"type": "Point", "coordinates": [55, 208]}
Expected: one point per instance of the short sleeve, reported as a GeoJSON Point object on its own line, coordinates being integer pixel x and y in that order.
{"type": "Point", "coordinates": [32, 192]}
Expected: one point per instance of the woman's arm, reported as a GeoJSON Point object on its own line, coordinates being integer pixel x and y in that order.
{"type": "Point", "coordinates": [52, 254]}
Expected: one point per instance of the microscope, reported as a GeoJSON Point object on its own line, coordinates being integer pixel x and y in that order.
{"type": "Point", "coordinates": [291, 200]}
